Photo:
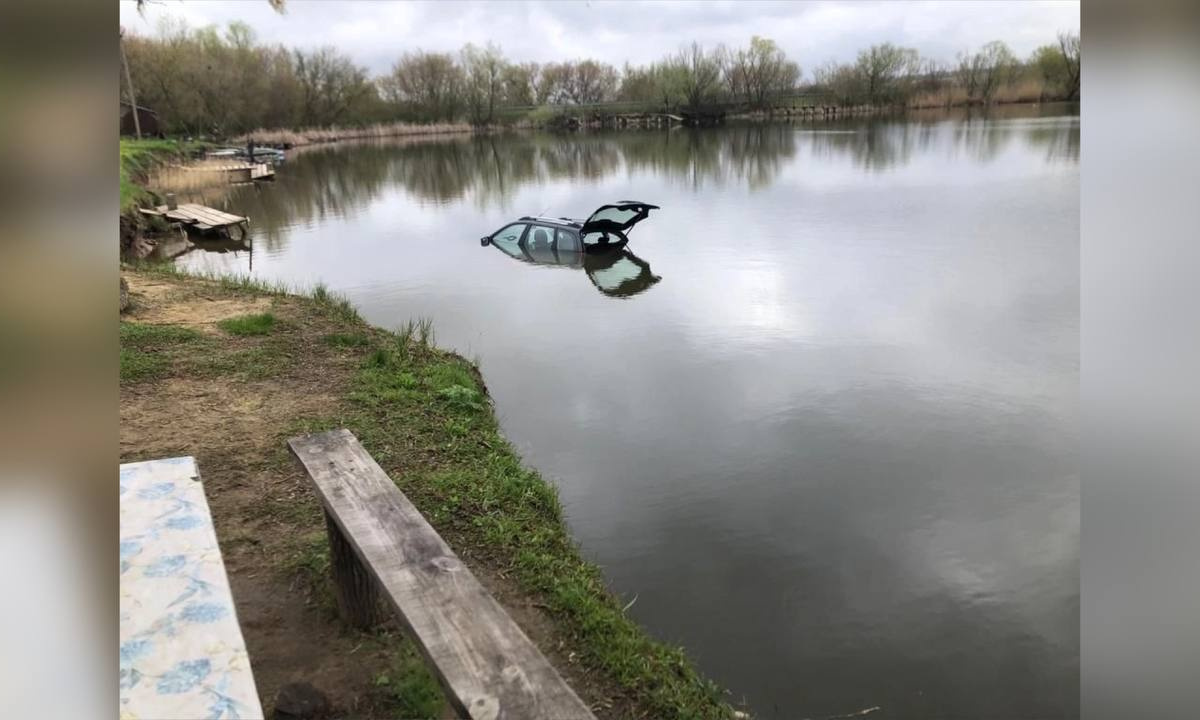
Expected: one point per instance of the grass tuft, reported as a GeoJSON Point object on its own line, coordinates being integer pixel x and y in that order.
{"type": "Point", "coordinates": [346, 340]}
{"type": "Point", "coordinates": [144, 335]}
{"type": "Point", "coordinates": [138, 365]}
{"type": "Point", "coordinates": [408, 684]}
{"type": "Point", "coordinates": [146, 349]}
{"type": "Point", "coordinates": [335, 305]}
{"type": "Point", "coordinates": [245, 325]}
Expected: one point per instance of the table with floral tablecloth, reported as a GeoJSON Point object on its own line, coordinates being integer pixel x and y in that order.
{"type": "Point", "coordinates": [182, 652]}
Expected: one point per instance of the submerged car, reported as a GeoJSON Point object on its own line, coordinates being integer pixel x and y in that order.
{"type": "Point", "coordinates": [606, 229]}
{"type": "Point", "coordinates": [596, 246]}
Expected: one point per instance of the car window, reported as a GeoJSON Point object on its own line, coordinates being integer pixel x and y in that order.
{"type": "Point", "coordinates": [540, 244]}
{"type": "Point", "coordinates": [567, 240]}
{"type": "Point", "coordinates": [619, 216]}
{"type": "Point", "coordinates": [509, 239]}
{"type": "Point", "coordinates": [600, 239]}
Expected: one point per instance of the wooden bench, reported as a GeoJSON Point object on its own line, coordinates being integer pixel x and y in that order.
{"type": "Point", "coordinates": [381, 545]}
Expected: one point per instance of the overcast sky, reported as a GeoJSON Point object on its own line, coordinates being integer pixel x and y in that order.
{"type": "Point", "coordinates": [375, 33]}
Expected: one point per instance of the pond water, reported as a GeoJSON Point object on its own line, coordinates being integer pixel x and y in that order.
{"type": "Point", "coordinates": [824, 434]}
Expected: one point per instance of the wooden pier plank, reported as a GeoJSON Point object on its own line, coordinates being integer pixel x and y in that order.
{"type": "Point", "coordinates": [488, 666]}
{"type": "Point", "coordinates": [209, 215]}
{"type": "Point", "coordinates": [199, 216]}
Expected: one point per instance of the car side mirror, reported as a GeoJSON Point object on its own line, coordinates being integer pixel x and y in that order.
{"type": "Point", "coordinates": [485, 240]}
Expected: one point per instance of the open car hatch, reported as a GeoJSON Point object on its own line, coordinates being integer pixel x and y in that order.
{"type": "Point", "coordinates": [618, 217]}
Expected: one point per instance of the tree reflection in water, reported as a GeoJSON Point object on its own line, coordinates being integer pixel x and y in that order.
{"type": "Point", "coordinates": [342, 179]}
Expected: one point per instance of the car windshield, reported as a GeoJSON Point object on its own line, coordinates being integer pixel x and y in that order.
{"type": "Point", "coordinates": [509, 239]}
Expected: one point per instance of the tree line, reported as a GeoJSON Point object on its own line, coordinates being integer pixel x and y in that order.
{"type": "Point", "coordinates": [887, 74]}
{"type": "Point", "coordinates": [223, 81]}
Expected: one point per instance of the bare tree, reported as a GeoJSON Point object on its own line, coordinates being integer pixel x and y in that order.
{"type": "Point", "coordinates": [553, 83]}
{"type": "Point", "coordinates": [483, 70]}
{"type": "Point", "coordinates": [984, 72]}
{"type": "Point", "coordinates": [882, 71]}
{"type": "Point", "coordinates": [1068, 44]}
{"type": "Point", "coordinates": [520, 83]}
{"type": "Point", "coordinates": [840, 81]}
{"type": "Point", "coordinates": [425, 85]}
{"type": "Point", "coordinates": [698, 73]}
{"type": "Point", "coordinates": [592, 82]}
{"type": "Point", "coordinates": [760, 72]}
{"type": "Point", "coordinates": [330, 85]}
{"type": "Point", "coordinates": [579, 83]}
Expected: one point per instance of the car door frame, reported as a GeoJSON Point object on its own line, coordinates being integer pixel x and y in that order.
{"type": "Point", "coordinates": [553, 241]}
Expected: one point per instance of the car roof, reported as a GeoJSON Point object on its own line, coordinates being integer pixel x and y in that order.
{"type": "Point", "coordinates": [559, 221]}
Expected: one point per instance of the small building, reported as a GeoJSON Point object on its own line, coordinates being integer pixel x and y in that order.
{"type": "Point", "coordinates": [147, 118]}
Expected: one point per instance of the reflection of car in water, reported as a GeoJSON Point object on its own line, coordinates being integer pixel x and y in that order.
{"type": "Point", "coordinates": [596, 245]}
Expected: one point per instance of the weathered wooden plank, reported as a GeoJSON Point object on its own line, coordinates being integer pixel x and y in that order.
{"type": "Point", "coordinates": [209, 215]}
{"type": "Point", "coordinates": [487, 665]}
{"type": "Point", "coordinates": [355, 588]}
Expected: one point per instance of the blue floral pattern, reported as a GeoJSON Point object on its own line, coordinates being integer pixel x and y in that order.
{"type": "Point", "coordinates": [182, 654]}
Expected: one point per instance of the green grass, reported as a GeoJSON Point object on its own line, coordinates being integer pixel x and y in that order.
{"type": "Point", "coordinates": [335, 304]}
{"type": "Point", "coordinates": [346, 340]}
{"type": "Point", "coordinates": [244, 325]}
{"type": "Point", "coordinates": [143, 335]}
{"type": "Point", "coordinates": [137, 159]}
{"type": "Point", "coordinates": [137, 365]}
{"type": "Point", "coordinates": [256, 363]}
{"type": "Point", "coordinates": [146, 350]}
{"type": "Point", "coordinates": [405, 683]}
{"type": "Point", "coordinates": [408, 683]}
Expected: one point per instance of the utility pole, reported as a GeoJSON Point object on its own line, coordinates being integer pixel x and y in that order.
{"type": "Point", "coordinates": [137, 123]}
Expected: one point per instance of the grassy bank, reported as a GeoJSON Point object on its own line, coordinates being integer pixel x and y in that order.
{"type": "Point", "coordinates": [139, 157]}
{"type": "Point", "coordinates": [425, 415]}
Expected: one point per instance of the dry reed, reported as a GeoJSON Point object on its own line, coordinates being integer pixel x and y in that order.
{"type": "Point", "coordinates": [307, 136]}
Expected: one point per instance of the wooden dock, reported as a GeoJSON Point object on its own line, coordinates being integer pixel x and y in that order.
{"type": "Point", "coordinates": [198, 217]}
{"type": "Point", "coordinates": [234, 172]}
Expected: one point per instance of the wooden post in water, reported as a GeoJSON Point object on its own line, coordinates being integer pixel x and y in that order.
{"type": "Point", "coordinates": [357, 598]}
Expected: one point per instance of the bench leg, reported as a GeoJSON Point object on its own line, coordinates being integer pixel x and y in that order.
{"type": "Point", "coordinates": [357, 598]}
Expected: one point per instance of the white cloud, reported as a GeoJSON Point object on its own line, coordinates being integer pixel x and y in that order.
{"type": "Point", "coordinates": [375, 33]}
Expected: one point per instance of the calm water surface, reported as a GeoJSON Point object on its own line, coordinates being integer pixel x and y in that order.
{"type": "Point", "coordinates": [831, 451]}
